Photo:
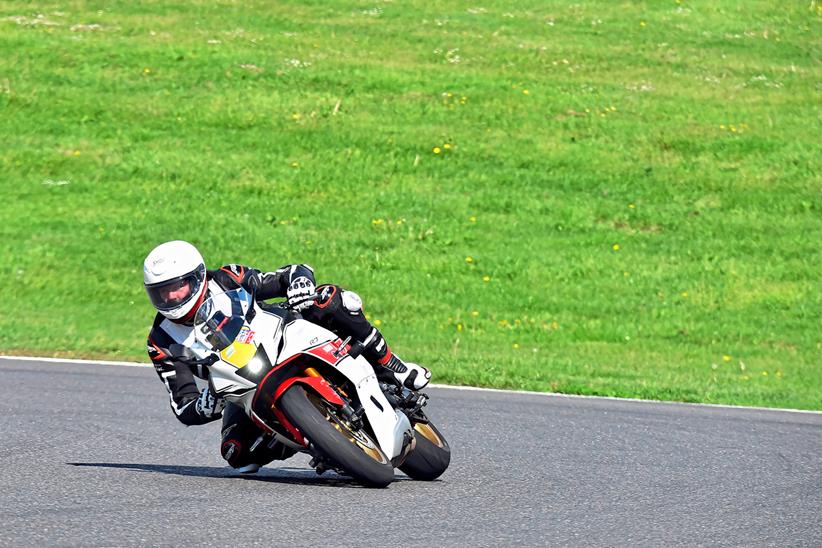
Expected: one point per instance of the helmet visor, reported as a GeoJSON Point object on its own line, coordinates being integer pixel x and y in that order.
{"type": "Point", "coordinates": [173, 293]}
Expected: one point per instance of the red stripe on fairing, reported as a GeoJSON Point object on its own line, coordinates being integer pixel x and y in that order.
{"type": "Point", "coordinates": [384, 359]}
{"type": "Point", "coordinates": [326, 351]}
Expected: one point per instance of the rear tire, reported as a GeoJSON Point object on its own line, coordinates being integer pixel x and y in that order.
{"type": "Point", "coordinates": [432, 455]}
{"type": "Point", "coordinates": [353, 450]}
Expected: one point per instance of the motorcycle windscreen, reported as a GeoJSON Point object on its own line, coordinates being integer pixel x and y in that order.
{"type": "Point", "coordinates": [220, 319]}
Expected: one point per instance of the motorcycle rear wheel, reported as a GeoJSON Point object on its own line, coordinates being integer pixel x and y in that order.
{"type": "Point", "coordinates": [353, 450]}
{"type": "Point", "coordinates": [431, 456]}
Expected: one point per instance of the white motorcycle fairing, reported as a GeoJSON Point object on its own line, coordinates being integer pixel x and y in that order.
{"type": "Point", "coordinates": [391, 427]}
{"type": "Point", "coordinates": [263, 345]}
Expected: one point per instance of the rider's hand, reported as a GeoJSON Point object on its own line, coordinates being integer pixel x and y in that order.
{"type": "Point", "coordinates": [296, 293]}
{"type": "Point", "coordinates": [208, 405]}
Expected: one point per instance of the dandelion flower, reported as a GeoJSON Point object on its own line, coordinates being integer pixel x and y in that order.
{"type": "Point", "coordinates": [642, 24]}
{"type": "Point", "coordinates": [295, 164]}
{"type": "Point", "coordinates": [615, 247]}
{"type": "Point", "coordinates": [526, 92]}
{"type": "Point", "coordinates": [726, 358]}
{"type": "Point", "coordinates": [486, 279]}
{"type": "Point", "coordinates": [146, 70]}
{"type": "Point", "coordinates": [631, 206]}
{"type": "Point", "coordinates": [472, 219]}
{"type": "Point", "coordinates": [377, 323]}
{"type": "Point", "coordinates": [684, 294]}
{"type": "Point", "coordinates": [376, 222]}
{"type": "Point", "coordinates": [469, 259]}
{"type": "Point", "coordinates": [516, 346]}
{"type": "Point", "coordinates": [436, 150]}
{"type": "Point", "coordinates": [447, 146]}
{"type": "Point", "coordinates": [459, 327]}
{"type": "Point", "coordinates": [474, 313]}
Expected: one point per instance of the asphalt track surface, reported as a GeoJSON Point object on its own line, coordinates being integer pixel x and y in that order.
{"type": "Point", "coordinates": [92, 455]}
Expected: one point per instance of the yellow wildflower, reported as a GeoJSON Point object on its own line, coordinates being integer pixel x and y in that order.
{"type": "Point", "coordinates": [486, 279]}
{"type": "Point", "coordinates": [726, 358]}
{"type": "Point", "coordinates": [469, 259]}
{"type": "Point", "coordinates": [615, 247]}
{"type": "Point", "coordinates": [474, 313]}
{"type": "Point", "coordinates": [459, 327]}
{"type": "Point", "coordinates": [472, 218]}
{"type": "Point", "coordinates": [436, 150]}
{"type": "Point", "coordinates": [376, 222]}
{"type": "Point", "coordinates": [526, 92]}
{"type": "Point", "coordinates": [377, 323]}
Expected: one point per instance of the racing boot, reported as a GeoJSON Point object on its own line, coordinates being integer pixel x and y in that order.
{"type": "Point", "coordinates": [410, 375]}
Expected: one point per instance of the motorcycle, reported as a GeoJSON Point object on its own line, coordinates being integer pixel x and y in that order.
{"type": "Point", "coordinates": [306, 388]}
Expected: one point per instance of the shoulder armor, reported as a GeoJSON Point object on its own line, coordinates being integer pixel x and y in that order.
{"type": "Point", "coordinates": [352, 302]}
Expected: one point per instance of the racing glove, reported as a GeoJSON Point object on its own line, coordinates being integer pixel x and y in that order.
{"type": "Point", "coordinates": [298, 291]}
{"type": "Point", "coordinates": [208, 405]}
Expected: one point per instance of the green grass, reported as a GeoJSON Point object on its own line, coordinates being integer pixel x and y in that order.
{"type": "Point", "coordinates": [629, 203]}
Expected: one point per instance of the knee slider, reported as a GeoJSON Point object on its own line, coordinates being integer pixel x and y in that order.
{"type": "Point", "coordinates": [232, 451]}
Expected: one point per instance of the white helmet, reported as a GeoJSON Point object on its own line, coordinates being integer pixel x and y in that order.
{"type": "Point", "coordinates": [174, 275]}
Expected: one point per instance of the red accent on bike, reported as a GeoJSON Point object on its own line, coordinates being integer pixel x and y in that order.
{"type": "Point", "coordinates": [290, 427]}
{"type": "Point", "coordinates": [318, 384]}
{"type": "Point", "coordinates": [330, 352]}
{"type": "Point", "coordinates": [281, 418]}
{"type": "Point", "coordinates": [384, 359]}
{"type": "Point", "coordinates": [236, 277]}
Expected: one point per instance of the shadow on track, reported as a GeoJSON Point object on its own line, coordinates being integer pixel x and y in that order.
{"type": "Point", "coordinates": [294, 476]}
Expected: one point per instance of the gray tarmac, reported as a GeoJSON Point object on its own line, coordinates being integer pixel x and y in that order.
{"type": "Point", "coordinates": [91, 455]}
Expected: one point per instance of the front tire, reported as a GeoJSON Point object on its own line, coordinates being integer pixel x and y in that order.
{"type": "Point", "coordinates": [353, 450]}
{"type": "Point", "coordinates": [432, 455]}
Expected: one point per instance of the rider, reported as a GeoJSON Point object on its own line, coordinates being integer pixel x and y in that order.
{"type": "Point", "coordinates": [177, 282]}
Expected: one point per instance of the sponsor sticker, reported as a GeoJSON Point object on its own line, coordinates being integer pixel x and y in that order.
{"type": "Point", "coordinates": [245, 336]}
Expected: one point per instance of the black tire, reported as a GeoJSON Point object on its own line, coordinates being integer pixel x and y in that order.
{"type": "Point", "coordinates": [317, 422]}
{"type": "Point", "coordinates": [432, 455]}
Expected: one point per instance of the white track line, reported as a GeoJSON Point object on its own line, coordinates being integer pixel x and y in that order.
{"type": "Point", "coordinates": [456, 387]}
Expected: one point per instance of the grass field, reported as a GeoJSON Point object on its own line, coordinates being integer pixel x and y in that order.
{"type": "Point", "coordinates": [598, 198]}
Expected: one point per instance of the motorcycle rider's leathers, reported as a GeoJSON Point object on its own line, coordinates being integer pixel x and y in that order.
{"type": "Point", "coordinates": [336, 309]}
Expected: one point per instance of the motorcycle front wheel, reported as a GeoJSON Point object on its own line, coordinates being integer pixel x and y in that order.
{"type": "Point", "coordinates": [333, 437]}
{"type": "Point", "coordinates": [431, 456]}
